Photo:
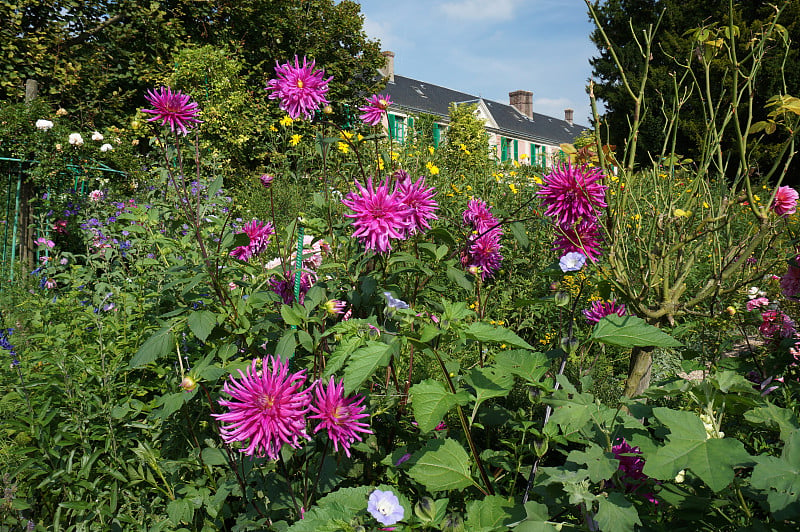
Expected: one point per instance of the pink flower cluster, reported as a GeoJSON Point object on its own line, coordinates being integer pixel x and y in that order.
{"type": "Point", "coordinates": [482, 253]}
{"type": "Point", "coordinates": [269, 407]}
{"type": "Point", "coordinates": [572, 196]}
{"type": "Point", "coordinates": [631, 477]}
{"type": "Point", "coordinates": [259, 233]}
{"type": "Point", "coordinates": [381, 214]}
{"type": "Point", "coordinates": [790, 282]}
{"type": "Point", "coordinates": [776, 325]}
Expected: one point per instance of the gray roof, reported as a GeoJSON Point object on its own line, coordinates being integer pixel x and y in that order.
{"type": "Point", "coordinates": [420, 97]}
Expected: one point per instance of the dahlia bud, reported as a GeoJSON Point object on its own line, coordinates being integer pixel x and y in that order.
{"type": "Point", "coordinates": [327, 109]}
{"type": "Point", "coordinates": [425, 509]}
{"type": "Point", "coordinates": [562, 299]}
{"type": "Point", "coordinates": [188, 384]}
{"type": "Point", "coordinates": [730, 310]}
{"type": "Point", "coordinates": [266, 180]}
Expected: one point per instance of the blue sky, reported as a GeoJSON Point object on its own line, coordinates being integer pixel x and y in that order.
{"type": "Point", "coordinates": [491, 47]}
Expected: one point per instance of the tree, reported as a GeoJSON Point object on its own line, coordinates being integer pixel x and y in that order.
{"type": "Point", "coordinates": [622, 20]}
{"type": "Point", "coordinates": [96, 58]}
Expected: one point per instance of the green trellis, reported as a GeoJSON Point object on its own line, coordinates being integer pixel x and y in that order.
{"type": "Point", "coordinates": [15, 171]}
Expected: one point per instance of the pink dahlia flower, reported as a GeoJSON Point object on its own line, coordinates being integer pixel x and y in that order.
{"type": "Point", "coordinates": [378, 215]}
{"type": "Point", "coordinates": [376, 108]}
{"type": "Point", "coordinates": [601, 309]}
{"type": "Point", "coordinates": [479, 216]}
{"type": "Point", "coordinates": [300, 89]}
{"type": "Point", "coordinates": [758, 302]}
{"type": "Point", "coordinates": [583, 237]}
{"type": "Point", "coordinates": [484, 253]}
{"type": "Point", "coordinates": [259, 234]}
{"type": "Point", "coordinates": [339, 415]}
{"type": "Point", "coordinates": [631, 466]}
{"type": "Point", "coordinates": [285, 287]}
{"type": "Point", "coordinates": [266, 180]}
{"type": "Point", "coordinates": [268, 407]}
{"type": "Point", "coordinates": [173, 108]}
{"type": "Point", "coordinates": [775, 324]}
{"type": "Point", "coordinates": [785, 202]}
{"type": "Point", "coordinates": [571, 194]}
{"type": "Point", "coordinates": [420, 200]}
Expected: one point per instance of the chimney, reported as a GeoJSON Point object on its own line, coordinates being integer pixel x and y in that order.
{"type": "Point", "coordinates": [522, 101]}
{"type": "Point", "coordinates": [568, 115]}
{"type": "Point", "coordinates": [388, 68]}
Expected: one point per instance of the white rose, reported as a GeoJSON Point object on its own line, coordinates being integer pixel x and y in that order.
{"type": "Point", "coordinates": [75, 139]}
{"type": "Point", "coordinates": [44, 125]}
{"type": "Point", "coordinates": [97, 136]}
{"type": "Point", "coordinates": [106, 147]}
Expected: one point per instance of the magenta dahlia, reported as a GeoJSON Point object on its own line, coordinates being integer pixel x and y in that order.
{"type": "Point", "coordinates": [173, 108]}
{"type": "Point", "coordinates": [267, 409]}
{"type": "Point", "coordinates": [339, 415]}
{"type": "Point", "coordinates": [601, 309]}
{"type": "Point", "coordinates": [378, 215]}
{"type": "Point", "coordinates": [631, 466]}
{"type": "Point", "coordinates": [785, 202]}
{"type": "Point", "coordinates": [479, 216]}
{"type": "Point", "coordinates": [583, 237]}
{"type": "Point", "coordinates": [284, 287]}
{"type": "Point", "coordinates": [259, 234]}
{"type": "Point", "coordinates": [420, 200]}
{"type": "Point", "coordinates": [483, 252]}
{"type": "Point", "coordinates": [300, 89]}
{"type": "Point", "coordinates": [377, 106]}
{"type": "Point", "coordinates": [571, 194]}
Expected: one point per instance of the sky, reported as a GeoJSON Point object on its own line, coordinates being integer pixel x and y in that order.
{"type": "Point", "coordinates": [489, 48]}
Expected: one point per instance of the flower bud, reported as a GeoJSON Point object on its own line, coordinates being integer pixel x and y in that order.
{"type": "Point", "coordinates": [327, 109]}
{"type": "Point", "coordinates": [730, 310]}
{"type": "Point", "coordinates": [425, 509]}
{"type": "Point", "coordinates": [561, 299]}
{"type": "Point", "coordinates": [453, 523]}
{"type": "Point", "coordinates": [569, 345]}
{"type": "Point", "coordinates": [540, 447]}
{"type": "Point", "coordinates": [188, 384]}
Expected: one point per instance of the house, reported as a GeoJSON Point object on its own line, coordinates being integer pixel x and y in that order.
{"type": "Point", "coordinates": [516, 133]}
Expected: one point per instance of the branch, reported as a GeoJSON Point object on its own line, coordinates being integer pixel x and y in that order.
{"type": "Point", "coordinates": [86, 34]}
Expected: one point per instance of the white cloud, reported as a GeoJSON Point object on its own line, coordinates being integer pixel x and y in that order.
{"type": "Point", "coordinates": [383, 32]}
{"type": "Point", "coordinates": [480, 9]}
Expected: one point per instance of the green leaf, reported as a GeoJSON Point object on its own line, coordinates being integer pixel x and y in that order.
{"type": "Point", "coordinates": [341, 504]}
{"type": "Point", "coordinates": [202, 322]}
{"type": "Point", "coordinates": [290, 315]}
{"type": "Point", "coordinates": [214, 456]}
{"type": "Point", "coordinates": [362, 364]}
{"type": "Point", "coordinates": [599, 464]}
{"type": "Point", "coordinates": [286, 345]}
{"type": "Point", "coordinates": [158, 345]}
{"type": "Point", "coordinates": [518, 230]}
{"type": "Point", "coordinates": [536, 519]}
{"type": "Point", "coordinates": [442, 465]}
{"type": "Point", "coordinates": [483, 332]}
{"type": "Point", "coordinates": [488, 382]}
{"type": "Point", "coordinates": [458, 277]}
{"type": "Point", "coordinates": [531, 367]}
{"type": "Point", "coordinates": [712, 459]}
{"type": "Point", "coordinates": [430, 402]}
{"type": "Point", "coordinates": [630, 331]}
{"type": "Point", "coordinates": [215, 187]}
{"type": "Point", "coordinates": [616, 513]}
{"type": "Point", "coordinates": [492, 513]}
{"type": "Point", "coordinates": [772, 415]}
{"type": "Point", "coordinates": [780, 478]}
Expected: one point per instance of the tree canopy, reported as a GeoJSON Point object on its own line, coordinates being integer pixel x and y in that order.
{"type": "Point", "coordinates": [97, 57]}
{"type": "Point", "coordinates": [675, 44]}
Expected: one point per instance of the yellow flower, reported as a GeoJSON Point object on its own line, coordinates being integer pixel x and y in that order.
{"type": "Point", "coordinates": [432, 168]}
{"type": "Point", "coordinates": [468, 187]}
{"type": "Point", "coordinates": [380, 163]}
{"type": "Point", "coordinates": [295, 140]}
{"type": "Point", "coordinates": [705, 205]}
{"type": "Point", "coordinates": [680, 213]}
{"type": "Point", "coordinates": [430, 150]}
{"type": "Point", "coordinates": [343, 147]}
{"type": "Point", "coordinates": [523, 156]}
{"type": "Point", "coordinates": [513, 188]}
{"type": "Point", "coordinates": [286, 121]}
{"type": "Point", "coordinates": [345, 135]}
{"type": "Point", "coordinates": [515, 164]}
{"type": "Point", "coordinates": [455, 188]}
{"type": "Point", "coordinates": [273, 128]}
{"type": "Point", "coordinates": [395, 155]}
{"type": "Point", "coordinates": [755, 197]}
{"type": "Point", "coordinates": [538, 180]}
{"type": "Point", "coordinates": [360, 137]}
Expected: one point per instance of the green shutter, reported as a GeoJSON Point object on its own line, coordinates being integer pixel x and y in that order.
{"type": "Point", "coordinates": [392, 125]}
{"type": "Point", "coordinates": [436, 135]}
{"type": "Point", "coordinates": [516, 150]}
{"type": "Point", "coordinates": [503, 149]}
{"type": "Point", "coordinates": [533, 153]}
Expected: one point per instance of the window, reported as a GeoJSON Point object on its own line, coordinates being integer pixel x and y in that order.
{"type": "Point", "coordinates": [397, 128]}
